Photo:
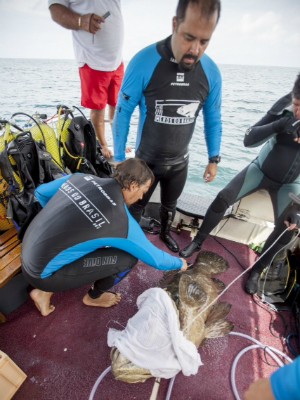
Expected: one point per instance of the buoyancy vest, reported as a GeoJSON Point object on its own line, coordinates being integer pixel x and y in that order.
{"type": "Point", "coordinates": [24, 164]}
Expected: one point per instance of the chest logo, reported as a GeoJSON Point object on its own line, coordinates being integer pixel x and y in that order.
{"type": "Point", "coordinates": [176, 112]}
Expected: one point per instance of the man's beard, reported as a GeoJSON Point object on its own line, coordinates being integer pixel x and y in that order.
{"type": "Point", "coordinates": [184, 67]}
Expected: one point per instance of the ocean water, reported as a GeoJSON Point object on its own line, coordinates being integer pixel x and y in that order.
{"type": "Point", "coordinates": [38, 86]}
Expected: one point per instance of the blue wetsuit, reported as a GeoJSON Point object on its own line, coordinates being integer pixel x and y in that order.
{"type": "Point", "coordinates": [65, 245]}
{"type": "Point", "coordinates": [169, 102]}
{"type": "Point", "coordinates": [285, 382]}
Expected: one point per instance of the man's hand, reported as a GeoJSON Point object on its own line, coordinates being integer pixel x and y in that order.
{"type": "Point", "coordinates": [185, 265]}
{"type": "Point", "coordinates": [106, 152]}
{"type": "Point", "coordinates": [260, 390]}
{"type": "Point", "coordinates": [292, 220]}
{"type": "Point", "coordinates": [210, 172]}
{"type": "Point", "coordinates": [91, 23]}
{"type": "Point", "coordinates": [291, 126]}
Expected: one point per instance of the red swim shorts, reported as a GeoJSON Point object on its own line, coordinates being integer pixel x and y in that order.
{"type": "Point", "coordinates": [99, 88]}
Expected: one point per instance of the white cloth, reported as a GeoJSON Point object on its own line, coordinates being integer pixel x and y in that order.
{"type": "Point", "coordinates": [102, 51]}
{"type": "Point", "coordinates": [152, 338]}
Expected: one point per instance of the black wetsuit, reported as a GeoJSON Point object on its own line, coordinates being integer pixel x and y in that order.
{"type": "Point", "coordinates": [276, 169]}
{"type": "Point", "coordinates": [84, 234]}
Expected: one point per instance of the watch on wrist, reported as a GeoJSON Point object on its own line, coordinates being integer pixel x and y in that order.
{"type": "Point", "coordinates": [214, 160]}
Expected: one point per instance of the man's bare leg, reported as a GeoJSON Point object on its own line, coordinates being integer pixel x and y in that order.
{"type": "Point", "coordinates": [111, 113]}
{"type": "Point", "coordinates": [42, 301]}
{"type": "Point", "coordinates": [97, 118]}
{"type": "Point", "coordinates": [106, 300]}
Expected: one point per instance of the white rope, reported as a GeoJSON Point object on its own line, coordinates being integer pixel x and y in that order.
{"type": "Point", "coordinates": [258, 345]}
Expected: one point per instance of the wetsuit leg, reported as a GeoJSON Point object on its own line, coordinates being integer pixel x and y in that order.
{"type": "Point", "coordinates": [96, 266]}
{"type": "Point", "coordinates": [249, 180]}
{"type": "Point", "coordinates": [102, 285]}
{"type": "Point", "coordinates": [137, 209]}
{"type": "Point", "coordinates": [266, 259]}
{"type": "Point", "coordinates": [172, 182]}
{"type": "Point", "coordinates": [281, 202]}
{"type": "Point", "coordinates": [172, 179]}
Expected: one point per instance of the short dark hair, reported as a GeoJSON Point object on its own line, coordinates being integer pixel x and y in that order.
{"type": "Point", "coordinates": [208, 7]}
{"type": "Point", "coordinates": [132, 170]}
{"type": "Point", "coordinates": [296, 88]}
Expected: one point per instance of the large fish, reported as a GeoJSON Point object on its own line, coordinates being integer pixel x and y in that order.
{"type": "Point", "coordinates": [193, 293]}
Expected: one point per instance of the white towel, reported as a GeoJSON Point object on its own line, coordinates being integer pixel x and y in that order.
{"type": "Point", "coordinates": [152, 338]}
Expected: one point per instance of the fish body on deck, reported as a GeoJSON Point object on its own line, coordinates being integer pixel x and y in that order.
{"type": "Point", "coordinates": [193, 293]}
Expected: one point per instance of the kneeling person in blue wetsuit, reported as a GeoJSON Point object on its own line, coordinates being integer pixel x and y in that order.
{"type": "Point", "coordinates": [85, 234]}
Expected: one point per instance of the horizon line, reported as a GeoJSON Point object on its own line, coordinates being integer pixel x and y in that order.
{"type": "Point", "coordinates": [127, 61]}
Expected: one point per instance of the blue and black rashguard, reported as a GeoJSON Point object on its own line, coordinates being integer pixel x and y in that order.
{"type": "Point", "coordinates": [82, 234]}
{"type": "Point", "coordinates": [169, 102]}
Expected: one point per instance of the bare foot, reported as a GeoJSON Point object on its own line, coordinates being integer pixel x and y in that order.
{"type": "Point", "coordinates": [42, 301]}
{"type": "Point", "coordinates": [106, 300]}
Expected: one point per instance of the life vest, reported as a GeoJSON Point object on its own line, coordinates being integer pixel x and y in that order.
{"type": "Point", "coordinates": [81, 152]}
{"type": "Point", "coordinates": [25, 164]}
{"type": "Point", "coordinates": [277, 281]}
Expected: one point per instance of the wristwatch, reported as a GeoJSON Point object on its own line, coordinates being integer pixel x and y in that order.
{"type": "Point", "coordinates": [214, 160]}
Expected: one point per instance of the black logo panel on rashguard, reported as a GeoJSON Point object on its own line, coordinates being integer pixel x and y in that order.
{"type": "Point", "coordinates": [176, 112]}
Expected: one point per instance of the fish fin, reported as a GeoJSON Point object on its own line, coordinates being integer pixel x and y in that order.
{"type": "Point", "coordinates": [218, 329]}
{"type": "Point", "coordinates": [215, 324]}
{"type": "Point", "coordinates": [124, 370]}
{"type": "Point", "coordinates": [218, 311]}
{"type": "Point", "coordinates": [220, 286]}
{"type": "Point", "coordinates": [210, 263]}
{"type": "Point", "coordinates": [190, 292]}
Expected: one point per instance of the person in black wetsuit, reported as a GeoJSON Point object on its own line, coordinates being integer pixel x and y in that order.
{"type": "Point", "coordinates": [171, 82]}
{"type": "Point", "coordinates": [276, 169]}
{"type": "Point", "coordinates": [85, 234]}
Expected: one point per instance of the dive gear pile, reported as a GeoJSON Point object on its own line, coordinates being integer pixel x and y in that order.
{"type": "Point", "coordinates": [38, 153]}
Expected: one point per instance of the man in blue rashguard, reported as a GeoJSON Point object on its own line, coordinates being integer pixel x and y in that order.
{"type": "Point", "coordinates": [85, 234]}
{"type": "Point", "coordinates": [171, 81]}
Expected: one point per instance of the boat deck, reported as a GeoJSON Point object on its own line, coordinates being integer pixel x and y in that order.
{"type": "Point", "coordinates": [64, 354]}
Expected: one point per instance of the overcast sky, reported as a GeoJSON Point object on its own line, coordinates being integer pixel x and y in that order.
{"type": "Point", "coordinates": [250, 32]}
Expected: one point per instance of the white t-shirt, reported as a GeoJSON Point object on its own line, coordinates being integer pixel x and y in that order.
{"type": "Point", "coordinates": [102, 51]}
